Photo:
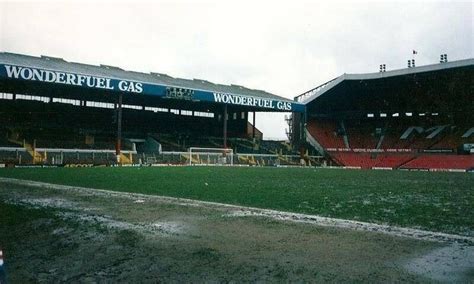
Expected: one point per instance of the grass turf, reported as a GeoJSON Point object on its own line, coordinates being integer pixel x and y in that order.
{"type": "Point", "coordinates": [437, 201]}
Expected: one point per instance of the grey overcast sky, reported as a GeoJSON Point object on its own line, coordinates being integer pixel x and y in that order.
{"type": "Point", "coordinates": [283, 47]}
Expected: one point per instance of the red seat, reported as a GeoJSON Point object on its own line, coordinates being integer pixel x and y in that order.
{"type": "Point", "coordinates": [325, 132]}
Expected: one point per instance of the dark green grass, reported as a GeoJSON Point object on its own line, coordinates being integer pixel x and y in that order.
{"type": "Point", "coordinates": [430, 200]}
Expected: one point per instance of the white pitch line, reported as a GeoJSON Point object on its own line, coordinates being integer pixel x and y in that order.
{"type": "Point", "coordinates": [242, 211]}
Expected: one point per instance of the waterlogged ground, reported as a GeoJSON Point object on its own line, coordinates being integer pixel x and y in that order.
{"type": "Point", "coordinates": [435, 201]}
{"type": "Point", "coordinates": [51, 234]}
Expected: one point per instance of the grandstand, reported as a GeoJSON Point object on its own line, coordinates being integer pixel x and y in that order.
{"type": "Point", "coordinates": [56, 112]}
{"type": "Point", "coordinates": [414, 118]}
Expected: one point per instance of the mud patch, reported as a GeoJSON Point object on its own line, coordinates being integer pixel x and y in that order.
{"type": "Point", "coordinates": [243, 211]}
{"type": "Point", "coordinates": [349, 224]}
{"type": "Point", "coordinates": [44, 203]}
{"type": "Point", "coordinates": [168, 228]}
{"type": "Point", "coordinates": [453, 263]}
{"type": "Point", "coordinates": [168, 240]}
{"type": "Point", "coordinates": [74, 214]}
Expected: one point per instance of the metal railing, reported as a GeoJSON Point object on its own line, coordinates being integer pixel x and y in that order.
{"type": "Point", "coordinates": [306, 95]}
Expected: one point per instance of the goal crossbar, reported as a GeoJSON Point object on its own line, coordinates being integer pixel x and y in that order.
{"type": "Point", "coordinates": [207, 156]}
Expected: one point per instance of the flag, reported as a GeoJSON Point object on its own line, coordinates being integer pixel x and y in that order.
{"type": "Point", "coordinates": [415, 52]}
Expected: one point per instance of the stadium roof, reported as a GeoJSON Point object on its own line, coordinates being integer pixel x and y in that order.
{"type": "Point", "coordinates": [445, 89]}
{"type": "Point", "coordinates": [156, 84]}
{"type": "Point", "coordinates": [323, 89]}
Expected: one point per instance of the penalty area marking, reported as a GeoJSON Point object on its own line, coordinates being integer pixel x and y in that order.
{"type": "Point", "coordinates": [244, 211]}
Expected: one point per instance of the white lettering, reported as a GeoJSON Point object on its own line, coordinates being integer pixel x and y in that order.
{"type": "Point", "coordinates": [37, 75]}
{"type": "Point", "coordinates": [130, 87]}
{"type": "Point", "coordinates": [34, 74]}
{"type": "Point", "coordinates": [13, 71]}
{"type": "Point", "coordinates": [108, 84]}
{"type": "Point", "coordinates": [60, 78]}
{"type": "Point", "coordinates": [26, 73]}
{"type": "Point", "coordinates": [139, 87]}
{"type": "Point", "coordinates": [217, 97]}
{"type": "Point", "coordinates": [122, 85]}
{"type": "Point", "coordinates": [250, 101]}
{"type": "Point", "coordinates": [100, 83]}
{"type": "Point", "coordinates": [70, 79]}
{"type": "Point", "coordinates": [284, 105]}
{"type": "Point", "coordinates": [81, 79]}
{"type": "Point", "coordinates": [49, 76]}
{"type": "Point", "coordinates": [90, 81]}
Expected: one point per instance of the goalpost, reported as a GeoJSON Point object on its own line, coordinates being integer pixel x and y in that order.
{"type": "Point", "coordinates": [210, 156]}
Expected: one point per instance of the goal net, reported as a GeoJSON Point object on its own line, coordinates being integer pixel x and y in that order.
{"type": "Point", "coordinates": [210, 156]}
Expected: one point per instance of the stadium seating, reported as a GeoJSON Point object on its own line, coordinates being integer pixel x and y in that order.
{"type": "Point", "coordinates": [361, 136]}
{"type": "Point", "coordinates": [393, 160]}
{"type": "Point", "coordinates": [15, 157]}
{"type": "Point", "coordinates": [326, 133]}
{"type": "Point", "coordinates": [405, 161]}
{"type": "Point", "coordinates": [60, 129]}
{"type": "Point", "coordinates": [371, 160]}
{"type": "Point", "coordinates": [450, 138]}
{"type": "Point", "coordinates": [387, 148]}
{"type": "Point", "coordinates": [275, 147]}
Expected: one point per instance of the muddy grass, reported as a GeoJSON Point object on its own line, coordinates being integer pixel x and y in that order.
{"type": "Point", "coordinates": [434, 201]}
{"type": "Point", "coordinates": [55, 234]}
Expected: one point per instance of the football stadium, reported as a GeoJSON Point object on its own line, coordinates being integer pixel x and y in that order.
{"type": "Point", "coordinates": [59, 113]}
{"type": "Point", "coordinates": [115, 175]}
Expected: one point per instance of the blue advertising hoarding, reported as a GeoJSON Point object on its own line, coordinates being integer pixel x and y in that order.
{"type": "Point", "coordinates": [16, 72]}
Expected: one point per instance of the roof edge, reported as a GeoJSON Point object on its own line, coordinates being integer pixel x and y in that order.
{"type": "Point", "coordinates": [155, 74]}
{"type": "Point", "coordinates": [314, 93]}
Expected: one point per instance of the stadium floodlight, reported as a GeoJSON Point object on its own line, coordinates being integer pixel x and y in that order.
{"type": "Point", "coordinates": [210, 156]}
{"type": "Point", "coordinates": [396, 114]}
{"type": "Point", "coordinates": [443, 58]}
{"type": "Point", "coordinates": [382, 68]}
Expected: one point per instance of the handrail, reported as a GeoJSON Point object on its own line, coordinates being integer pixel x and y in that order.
{"type": "Point", "coordinates": [313, 91]}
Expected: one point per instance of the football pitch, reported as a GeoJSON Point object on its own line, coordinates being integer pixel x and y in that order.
{"type": "Point", "coordinates": [435, 201]}
{"type": "Point", "coordinates": [175, 224]}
